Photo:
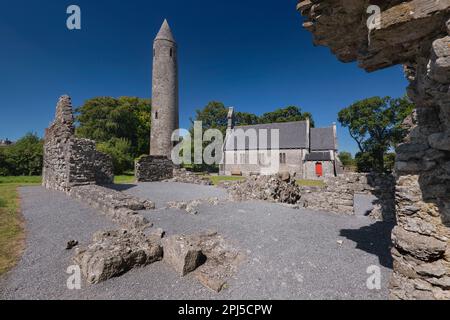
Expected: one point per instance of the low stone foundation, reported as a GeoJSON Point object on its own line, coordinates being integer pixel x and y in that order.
{"type": "Point", "coordinates": [119, 206]}
{"type": "Point", "coordinates": [184, 176]}
{"type": "Point", "coordinates": [153, 168]}
{"type": "Point", "coordinates": [337, 195]}
{"type": "Point", "coordinates": [339, 192]}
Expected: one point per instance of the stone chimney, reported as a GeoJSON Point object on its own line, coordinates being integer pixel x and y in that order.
{"type": "Point", "coordinates": [308, 133]}
{"type": "Point", "coordinates": [231, 119]}
{"type": "Point", "coordinates": [335, 136]}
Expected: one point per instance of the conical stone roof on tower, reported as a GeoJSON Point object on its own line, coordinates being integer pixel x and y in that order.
{"type": "Point", "coordinates": [165, 33]}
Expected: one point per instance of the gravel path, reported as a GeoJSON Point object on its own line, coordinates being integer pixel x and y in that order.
{"type": "Point", "coordinates": [291, 254]}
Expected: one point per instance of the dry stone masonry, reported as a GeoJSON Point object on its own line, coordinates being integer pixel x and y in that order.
{"type": "Point", "coordinates": [153, 168]}
{"type": "Point", "coordinates": [414, 33]}
{"type": "Point", "coordinates": [183, 176]}
{"type": "Point", "coordinates": [74, 166]}
{"type": "Point", "coordinates": [69, 161]}
{"type": "Point", "coordinates": [339, 192]}
{"type": "Point", "coordinates": [277, 188]}
{"type": "Point", "coordinates": [337, 195]}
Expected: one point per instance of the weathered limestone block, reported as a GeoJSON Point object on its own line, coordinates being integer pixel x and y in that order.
{"type": "Point", "coordinates": [423, 247]}
{"type": "Point", "coordinates": [222, 261]}
{"type": "Point", "coordinates": [153, 168]}
{"type": "Point", "coordinates": [210, 258]}
{"type": "Point", "coordinates": [182, 254]}
{"type": "Point", "coordinates": [113, 253]}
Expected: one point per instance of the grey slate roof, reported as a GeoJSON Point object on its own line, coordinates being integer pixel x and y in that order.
{"type": "Point", "coordinates": [322, 139]}
{"type": "Point", "coordinates": [293, 135]}
{"type": "Point", "coordinates": [318, 156]}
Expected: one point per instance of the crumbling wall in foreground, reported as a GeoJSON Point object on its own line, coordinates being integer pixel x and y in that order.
{"type": "Point", "coordinates": [414, 33]}
{"type": "Point", "coordinates": [69, 161]}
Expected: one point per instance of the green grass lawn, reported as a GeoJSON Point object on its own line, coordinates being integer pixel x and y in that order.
{"type": "Point", "coordinates": [19, 180]}
{"type": "Point", "coordinates": [310, 183]}
{"type": "Point", "coordinates": [216, 179]}
{"type": "Point", "coordinates": [124, 179]}
{"type": "Point", "coordinates": [11, 224]}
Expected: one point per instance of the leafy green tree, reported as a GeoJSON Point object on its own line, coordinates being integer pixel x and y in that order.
{"type": "Point", "coordinates": [120, 151]}
{"type": "Point", "coordinates": [4, 170]}
{"type": "Point", "coordinates": [288, 114]}
{"type": "Point", "coordinates": [346, 159]}
{"type": "Point", "coordinates": [375, 125]}
{"type": "Point", "coordinates": [213, 116]}
{"type": "Point", "coordinates": [389, 161]}
{"type": "Point", "coordinates": [245, 118]}
{"type": "Point", "coordinates": [104, 118]}
{"type": "Point", "coordinates": [23, 158]}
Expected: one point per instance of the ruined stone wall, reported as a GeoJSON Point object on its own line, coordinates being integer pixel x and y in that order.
{"type": "Point", "coordinates": [339, 192]}
{"type": "Point", "coordinates": [414, 33]}
{"type": "Point", "coordinates": [69, 161]}
{"type": "Point", "coordinates": [153, 168]}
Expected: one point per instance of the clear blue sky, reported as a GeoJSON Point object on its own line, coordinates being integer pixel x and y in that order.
{"type": "Point", "coordinates": [252, 54]}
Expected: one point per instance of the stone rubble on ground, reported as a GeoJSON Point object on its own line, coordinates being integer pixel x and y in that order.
{"type": "Point", "coordinates": [182, 254]}
{"type": "Point", "coordinates": [191, 206]}
{"type": "Point", "coordinates": [113, 253]}
{"type": "Point", "coordinates": [184, 176]}
{"type": "Point", "coordinates": [337, 194]}
{"type": "Point", "coordinates": [270, 188]}
{"type": "Point", "coordinates": [207, 255]}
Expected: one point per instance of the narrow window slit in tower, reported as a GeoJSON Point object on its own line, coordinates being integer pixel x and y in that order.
{"type": "Point", "coordinates": [171, 52]}
{"type": "Point", "coordinates": [156, 115]}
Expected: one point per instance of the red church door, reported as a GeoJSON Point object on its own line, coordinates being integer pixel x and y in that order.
{"type": "Point", "coordinates": [319, 169]}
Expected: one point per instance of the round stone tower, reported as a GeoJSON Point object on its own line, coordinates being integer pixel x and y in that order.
{"type": "Point", "coordinates": [164, 92]}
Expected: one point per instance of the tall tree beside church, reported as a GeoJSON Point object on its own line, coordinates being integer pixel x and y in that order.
{"type": "Point", "coordinates": [375, 125]}
{"type": "Point", "coordinates": [215, 116]}
{"type": "Point", "coordinates": [288, 114]}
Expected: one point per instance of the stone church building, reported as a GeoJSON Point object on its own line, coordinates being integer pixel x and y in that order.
{"type": "Point", "coordinates": [310, 153]}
